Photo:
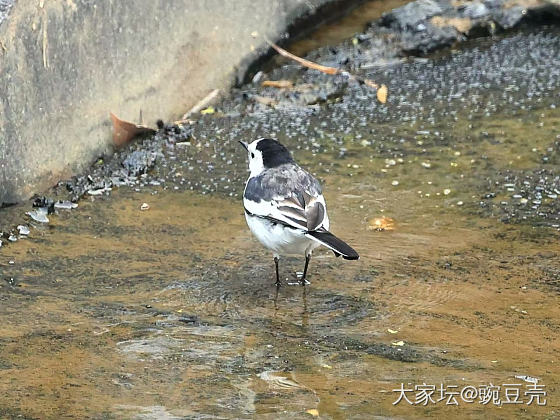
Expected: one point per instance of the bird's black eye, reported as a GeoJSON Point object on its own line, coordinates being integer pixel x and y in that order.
{"type": "Point", "coordinates": [252, 156]}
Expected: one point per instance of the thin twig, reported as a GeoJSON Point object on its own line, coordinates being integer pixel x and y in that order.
{"type": "Point", "coordinates": [303, 61]}
{"type": "Point", "coordinates": [382, 90]}
{"type": "Point", "coordinates": [199, 106]}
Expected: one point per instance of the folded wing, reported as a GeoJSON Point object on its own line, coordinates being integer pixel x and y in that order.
{"type": "Point", "coordinates": [301, 210]}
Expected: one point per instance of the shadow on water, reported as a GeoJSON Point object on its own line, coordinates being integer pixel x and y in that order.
{"type": "Point", "coordinates": [114, 312]}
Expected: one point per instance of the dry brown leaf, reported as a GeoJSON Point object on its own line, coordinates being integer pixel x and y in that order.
{"type": "Point", "coordinates": [382, 94]}
{"type": "Point", "coordinates": [280, 84]}
{"type": "Point", "coordinates": [124, 131]}
{"type": "Point", "coordinates": [381, 223]}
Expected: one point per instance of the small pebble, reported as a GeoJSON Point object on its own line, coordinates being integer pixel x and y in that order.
{"type": "Point", "coordinates": [65, 205]}
{"type": "Point", "coordinates": [39, 215]}
{"type": "Point", "coordinates": [23, 230]}
{"type": "Point", "coordinates": [144, 206]}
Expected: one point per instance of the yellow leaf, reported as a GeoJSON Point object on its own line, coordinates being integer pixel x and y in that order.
{"type": "Point", "coordinates": [380, 224]}
{"type": "Point", "coordinates": [211, 110]}
{"type": "Point", "coordinates": [392, 331]}
{"type": "Point", "coordinates": [382, 94]}
{"type": "Point", "coordinates": [398, 343]}
{"type": "Point", "coordinates": [313, 412]}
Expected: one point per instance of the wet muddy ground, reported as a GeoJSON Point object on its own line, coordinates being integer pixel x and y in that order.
{"type": "Point", "coordinates": [110, 311]}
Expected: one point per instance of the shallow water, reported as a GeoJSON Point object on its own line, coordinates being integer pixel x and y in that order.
{"type": "Point", "coordinates": [110, 311]}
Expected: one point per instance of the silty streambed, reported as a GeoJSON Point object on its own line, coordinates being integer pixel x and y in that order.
{"type": "Point", "coordinates": [109, 311]}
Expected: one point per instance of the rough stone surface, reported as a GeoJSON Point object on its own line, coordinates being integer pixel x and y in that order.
{"type": "Point", "coordinates": [426, 25]}
{"type": "Point", "coordinates": [5, 6]}
{"type": "Point", "coordinates": [408, 17]}
{"type": "Point", "coordinates": [474, 10]}
{"type": "Point", "coordinates": [65, 65]}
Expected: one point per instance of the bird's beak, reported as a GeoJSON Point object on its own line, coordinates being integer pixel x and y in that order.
{"type": "Point", "coordinates": [245, 145]}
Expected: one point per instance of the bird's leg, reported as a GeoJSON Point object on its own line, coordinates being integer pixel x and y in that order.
{"type": "Point", "coordinates": [277, 274]}
{"type": "Point", "coordinates": [307, 258]}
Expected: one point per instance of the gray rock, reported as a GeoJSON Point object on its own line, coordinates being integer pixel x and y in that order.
{"type": "Point", "coordinates": [431, 38]}
{"type": "Point", "coordinates": [508, 18]}
{"type": "Point", "coordinates": [23, 230]}
{"type": "Point", "coordinates": [474, 10]}
{"type": "Point", "coordinates": [5, 6]}
{"type": "Point", "coordinates": [39, 215]}
{"type": "Point", "coordinates": [494, 4]}
{"type": "Point", "coordinates": [65, 205]}
{"type": "Point", "coordinates": [139, 162]}
{"type": "Point", "coordinates": [409, 16]}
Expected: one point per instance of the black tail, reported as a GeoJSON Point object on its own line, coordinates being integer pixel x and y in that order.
{"type": "Point", "coordinates": [338, 246]}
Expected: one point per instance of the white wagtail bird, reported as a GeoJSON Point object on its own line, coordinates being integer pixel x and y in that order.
{"type": "Point", "coordinates": [284, 206]}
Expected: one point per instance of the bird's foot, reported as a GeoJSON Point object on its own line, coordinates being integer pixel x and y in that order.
{"type": "Point", "coordinates": [299, 280]}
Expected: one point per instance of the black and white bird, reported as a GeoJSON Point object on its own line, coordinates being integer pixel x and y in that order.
{"type": "Point", "coordinates": [284, 206]}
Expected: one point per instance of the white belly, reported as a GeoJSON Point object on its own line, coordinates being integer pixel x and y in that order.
{"type": "Point", "coordinates": [280, 239]}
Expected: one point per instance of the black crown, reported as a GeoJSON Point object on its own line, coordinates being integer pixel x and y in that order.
{"type": "Point", "coordinates": [274, 153]}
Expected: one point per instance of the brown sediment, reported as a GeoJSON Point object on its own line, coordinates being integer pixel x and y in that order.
{"type": "Point", "coordinates": [138, 311]}
{"type": "Point", "coordinates": [113, 312]}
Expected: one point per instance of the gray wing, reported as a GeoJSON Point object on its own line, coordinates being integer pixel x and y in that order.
{"type": "Point", "coordinates": [305, 210]}
{"type": "Point", "coordinates": [289, 195]}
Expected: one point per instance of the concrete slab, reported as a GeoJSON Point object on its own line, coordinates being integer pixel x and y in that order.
{"type": "Point", "coordinates": [64, 65]}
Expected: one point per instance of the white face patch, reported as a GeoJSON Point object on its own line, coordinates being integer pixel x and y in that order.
{"type": "Point", "coordinates": [256, 165]}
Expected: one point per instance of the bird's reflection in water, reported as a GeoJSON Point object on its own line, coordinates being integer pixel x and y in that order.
{"type": "Point", "coordinates": [304, 312]}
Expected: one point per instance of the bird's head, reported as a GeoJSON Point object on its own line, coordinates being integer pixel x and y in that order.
{"type": "Point", "coordinates": [266, 153]}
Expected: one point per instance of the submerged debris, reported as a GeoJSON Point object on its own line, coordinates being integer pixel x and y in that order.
{"type": "Point", "coordinates": [23, 230]}
{"type": "Point", "coordinates": [278, 380]}
{"type": "Point", "coordinates": [44, 203]}
{"type": "Point", "coordinates": [39, 214]}
{"type": "Point", "coordinates": [99, 191]}
{"type": "Point", "coordinates": [380, 224]}
{"type": "Point", "coordinates": [65, 205]}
